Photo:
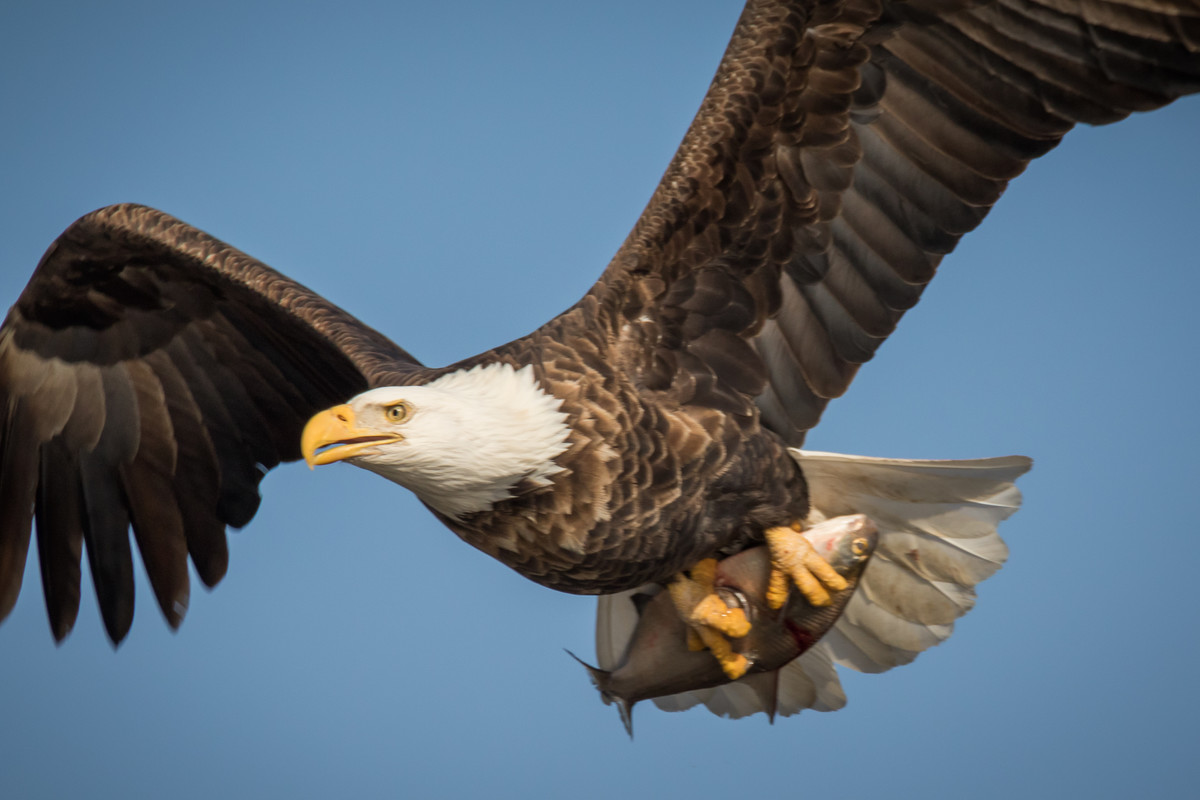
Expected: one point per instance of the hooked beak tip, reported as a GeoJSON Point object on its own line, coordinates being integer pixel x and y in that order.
{"type": "Point", "coordinates": [325, 428]}
{"type": "Point", "coordinates": [334, 435]}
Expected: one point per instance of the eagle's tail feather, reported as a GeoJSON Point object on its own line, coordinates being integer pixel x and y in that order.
{"type": "Point", "coordinates": [937, 539]}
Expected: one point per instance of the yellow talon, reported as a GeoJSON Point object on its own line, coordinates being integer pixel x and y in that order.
{"type": "Point", "coordinates": [708, 619]}
{"type": "Point", "coordinates": [699, 605]}
{"type": "Point", "coordinates": [705, 573]}
{"type": "Point", "coordinates": [733, 664]}
{"type": "Point", "coordinates": [777, 588]}
{"type": "Point", "coordinates": [792, 556]}
{"type": "Point", "coordinates": [713, 613]}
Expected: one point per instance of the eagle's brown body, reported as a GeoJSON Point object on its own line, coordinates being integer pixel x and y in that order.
{"type": "Point", "coordinates": [150, 374]}
{"type": "Point", "coordinates": [690, 481]}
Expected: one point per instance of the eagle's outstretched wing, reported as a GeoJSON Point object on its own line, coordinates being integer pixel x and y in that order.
{"type": "Point", "coordinates": [843, 148]}
{"type": "Point", "coordinates": [150, 375]}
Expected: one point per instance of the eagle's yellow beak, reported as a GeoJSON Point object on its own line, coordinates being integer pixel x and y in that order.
{"type": "Point", "coordinates": [336, 429]}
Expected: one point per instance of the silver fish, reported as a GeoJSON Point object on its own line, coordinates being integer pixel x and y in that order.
{"type": "Point", "coordinates": [658, 662]}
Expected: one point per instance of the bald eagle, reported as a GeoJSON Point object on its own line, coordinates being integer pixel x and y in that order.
{"type": "Point", "coordinates": [151, 374]}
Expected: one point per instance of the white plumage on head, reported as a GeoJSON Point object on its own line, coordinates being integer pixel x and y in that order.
{"type": "Point", "coordinates": [470, 438]}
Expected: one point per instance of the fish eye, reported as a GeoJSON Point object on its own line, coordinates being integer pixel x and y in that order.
{"type": "Point", "coordinates": [858, 546]}
{"type": "Point", "coordinates": [397, 412]}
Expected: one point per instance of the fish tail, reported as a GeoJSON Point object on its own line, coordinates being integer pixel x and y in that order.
{"type": "Point", "coordinates": [601, 680]}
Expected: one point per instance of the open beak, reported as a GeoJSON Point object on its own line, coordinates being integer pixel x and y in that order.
{"type": "Point", "coordinates": [333, 435]}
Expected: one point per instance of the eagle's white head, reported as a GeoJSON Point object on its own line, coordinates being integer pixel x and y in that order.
{"type": "Point", "coordinates": [462, 442]}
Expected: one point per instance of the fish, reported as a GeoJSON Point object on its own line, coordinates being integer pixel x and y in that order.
{"type": "Point", "coordinates": [659, 660]}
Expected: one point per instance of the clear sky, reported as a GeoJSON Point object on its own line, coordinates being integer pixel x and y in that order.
{"type": "Point", "coordinates": [457, 173]}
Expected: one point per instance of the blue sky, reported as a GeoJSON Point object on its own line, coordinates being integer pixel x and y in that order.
{"type": "Point", "coordinates": [457, 174]}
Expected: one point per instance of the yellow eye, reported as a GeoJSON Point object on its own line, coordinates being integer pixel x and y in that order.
{"type": "Point", "coordinates": [397, 413]}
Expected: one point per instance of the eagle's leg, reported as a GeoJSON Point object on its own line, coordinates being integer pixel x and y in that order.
{"type": "Point", "coordinates": [710, 622]}
{"type": "Point", "coordinates": [793, 557]}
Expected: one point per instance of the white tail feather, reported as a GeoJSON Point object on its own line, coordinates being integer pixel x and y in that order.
{"type": "Point", "coordinates": [937, 539]}
{"type": "Point", "coordinates": [684, 700]}
{"type": "Point", "coordinates": [810, 682]}
{"type": "Point", "coordinates": [616, 619]}
{"type": "Point", "coordinates": [734, 700]}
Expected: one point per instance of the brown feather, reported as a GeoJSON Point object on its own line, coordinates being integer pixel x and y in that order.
{"type": "Point", "coordinates": [59, 535]}
{"type": "Point", "coordinates": [146, 485]}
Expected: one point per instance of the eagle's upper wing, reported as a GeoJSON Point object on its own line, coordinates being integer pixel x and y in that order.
{"type": "Point", "coordinates": [842, 149]}
{"type": "Point", "coordinates": [151, 375]}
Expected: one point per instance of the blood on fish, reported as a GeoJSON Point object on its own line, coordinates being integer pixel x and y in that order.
{"type": "Point", "coordinates": [801, 636]}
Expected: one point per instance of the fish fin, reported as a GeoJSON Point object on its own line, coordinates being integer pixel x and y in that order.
{"type": "Point", "coordinates": [766, 688]}
{"type": "Point", "coordinates": [600, 681]}
{"type": "Point", "coordinates": [599, 677]}
{"type": "Point", "coordinates": [937, 539]}
{"type": "Point", "coordinates": [626, 710]}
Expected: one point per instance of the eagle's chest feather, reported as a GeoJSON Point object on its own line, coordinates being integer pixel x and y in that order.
{"type": "Point", "coordinates": [644, 492]}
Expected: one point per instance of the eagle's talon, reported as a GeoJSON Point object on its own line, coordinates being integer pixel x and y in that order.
{"type": "Point", "coordinates": [734, 665]}
{"type": "Point", "coordinates": [777, 588]}
{"type": "Point", "coordinates": [712, 612]}
{"type": "Point", "coordinates": [709, 620]}
{"type": "Point", "coordinates": [793, 556]}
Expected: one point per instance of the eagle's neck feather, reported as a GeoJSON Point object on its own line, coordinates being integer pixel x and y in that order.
{"type": "Point", "coordinates": [476, 436]}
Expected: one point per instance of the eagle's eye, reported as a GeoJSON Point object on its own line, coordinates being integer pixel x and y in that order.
{"type": "Point", "coordinates": [397, 413]}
